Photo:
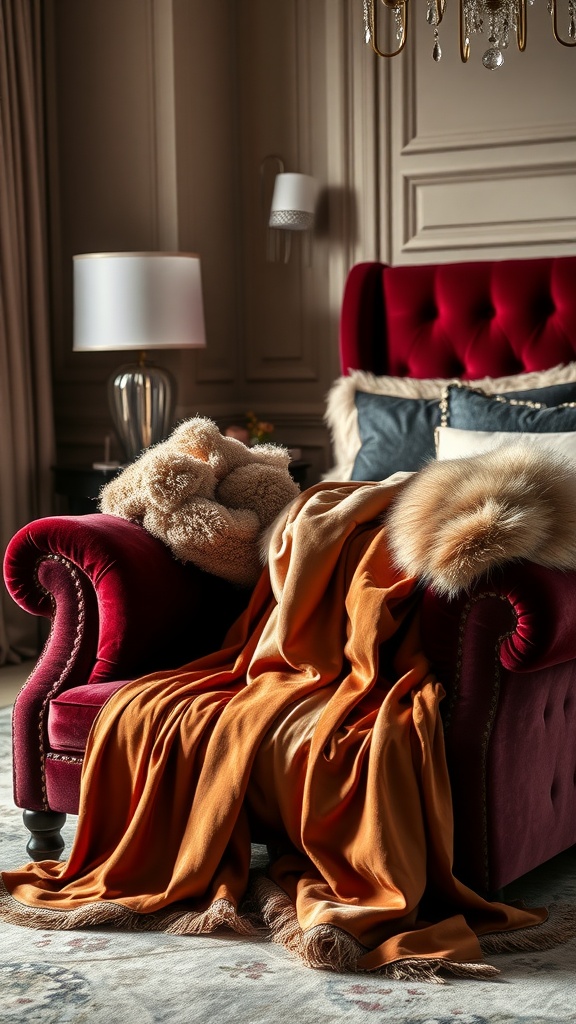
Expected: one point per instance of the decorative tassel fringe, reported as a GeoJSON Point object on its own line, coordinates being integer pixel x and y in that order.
{"type": "Point", "coordinates": [268, 909]}
{"type": "Point", "coordinates": [423, 970]}
{"type": "Point", "coordinates": [220, 914]}
{"type": "Point", "coordinates": [559, 927]}
{"type": "Point", "coordinates": [323, 947]}
{"type": "Point", "coordinates": [331, 949]}
{"type": "Point", "coordinates": [175, 920]}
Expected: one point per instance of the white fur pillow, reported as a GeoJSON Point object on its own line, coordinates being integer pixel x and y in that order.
{"type": "Point", "coordinates": [342, 420]}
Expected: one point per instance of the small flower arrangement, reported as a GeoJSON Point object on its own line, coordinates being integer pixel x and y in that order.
{"type": "Point", "coordinates": [257, 429]}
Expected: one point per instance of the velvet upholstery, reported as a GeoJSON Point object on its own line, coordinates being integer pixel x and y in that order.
{"type": "Point", "coordinates": [72, 712]}
{"type": "Point", "coordinates": [463, 320]}
{"type": "Point", "coordinates": [120, 605]}
{"type": "Point", "coordinates": [507, 655]}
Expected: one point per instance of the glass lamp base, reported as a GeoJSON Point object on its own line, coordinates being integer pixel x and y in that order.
{"type": "Point", "coordinates": [142, 399]}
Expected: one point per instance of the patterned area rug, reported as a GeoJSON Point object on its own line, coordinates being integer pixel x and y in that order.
{"type": "Point", "coordinates": [100, 976]}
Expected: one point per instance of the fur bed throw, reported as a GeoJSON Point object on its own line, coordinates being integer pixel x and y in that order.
{"type": "Point", "coordinates": [208, 497]}
{"type": "Point", "coordinates": [455, 520]}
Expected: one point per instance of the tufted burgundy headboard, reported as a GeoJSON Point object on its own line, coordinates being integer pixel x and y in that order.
{"type": "Point", "coordinates": [459, 319]}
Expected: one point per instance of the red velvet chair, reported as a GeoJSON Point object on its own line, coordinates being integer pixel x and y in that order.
{"type": "Point", "coordinates": [121, 606]}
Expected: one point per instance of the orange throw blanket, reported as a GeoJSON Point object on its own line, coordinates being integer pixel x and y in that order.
{"type": "Point", "coordinates": [316, 729]}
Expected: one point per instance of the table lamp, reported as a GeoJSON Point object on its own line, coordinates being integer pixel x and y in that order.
{"type": "Point", "coordinates": [138, 301]}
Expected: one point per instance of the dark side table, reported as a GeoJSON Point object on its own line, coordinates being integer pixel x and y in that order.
{"type": "Point", "coordinates": [299, 472]}
{"type": "Point", "coordinates": [81, 485]}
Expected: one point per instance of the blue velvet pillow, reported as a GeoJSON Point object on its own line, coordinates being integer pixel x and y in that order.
{"type": "Point", "coordinates": [398, 433]}
{"type": "Point", "coordinates": [472, 410]}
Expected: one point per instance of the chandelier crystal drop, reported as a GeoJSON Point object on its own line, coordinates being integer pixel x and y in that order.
{"type": "Point", "coordinates": [498, 20]}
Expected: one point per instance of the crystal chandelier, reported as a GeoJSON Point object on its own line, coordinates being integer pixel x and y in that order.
{"type": "Point", "coordinates": [499, 19]}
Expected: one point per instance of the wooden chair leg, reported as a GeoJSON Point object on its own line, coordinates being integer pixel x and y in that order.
{"type": "Point", "coordinates": [45, 841]}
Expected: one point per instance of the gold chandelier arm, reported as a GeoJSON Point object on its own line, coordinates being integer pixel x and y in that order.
{"type": "Point", "coordinates": [440, 8]}
{"type": "Point", "coordinates": [464, 42]}
{"type": "Point", "coordinates": [521, 28]}
{"type": "Point", "coordinates": [402, 6]}
{"type": "Point", "coordinates": [557, 36]}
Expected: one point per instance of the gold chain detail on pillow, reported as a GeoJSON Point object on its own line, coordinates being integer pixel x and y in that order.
{"type": "Point", "coordinates": [445, 412]}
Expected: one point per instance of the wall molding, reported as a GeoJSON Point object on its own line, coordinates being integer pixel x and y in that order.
{"type": "Point", "coordinates": [413, 140]}
{"type": "Point", "coordinates": [541, 135]}
{"type": "Point", "coordinates": [541, 223]}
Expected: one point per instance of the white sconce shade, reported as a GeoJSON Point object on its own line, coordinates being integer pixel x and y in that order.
{"type": "Point", "coordinates": [293, 202]}
{"type": "Point", "coordinates": [137, 301]}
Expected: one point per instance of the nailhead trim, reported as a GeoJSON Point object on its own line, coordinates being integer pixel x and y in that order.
{"type": "Point", "coordinates": [492, 709]}
{"type": "Point", "coordinates": [57, 685]}
{"type": "Point", "coordinates": [68, 758]}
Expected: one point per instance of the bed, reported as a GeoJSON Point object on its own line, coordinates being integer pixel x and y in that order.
{"type": "Point", "coordinates": [120, 606]}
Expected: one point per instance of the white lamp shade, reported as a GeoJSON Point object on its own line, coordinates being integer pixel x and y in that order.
{"type": "Point", "coordinates": [143, 300]}
{"type": "Point", "coordinates": [293, 202]}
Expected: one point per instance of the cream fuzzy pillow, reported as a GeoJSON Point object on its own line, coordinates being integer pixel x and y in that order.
{"type": "Point", "coordinates": [209, 498]}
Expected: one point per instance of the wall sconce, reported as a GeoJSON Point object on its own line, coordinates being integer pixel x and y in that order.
{"type": "Point", "coordinates": [292, 208]}
{"type": "Point", "coordinates": [138, 301]}
{"type": "Point", "coordinates": [293, 202]}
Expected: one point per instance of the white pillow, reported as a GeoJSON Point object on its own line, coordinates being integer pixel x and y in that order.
{"type": "Point", "coordinates": [453, 443]}
{"type": "Point", "coordinates": [342, 420]}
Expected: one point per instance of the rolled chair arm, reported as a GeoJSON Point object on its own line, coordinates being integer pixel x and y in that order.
{"type": "Point", "coordinates": [506, 655]}
{"type": "Point", "coordinates": [526, 611]}
{"type": "Point", "coordinates": [120, 606]}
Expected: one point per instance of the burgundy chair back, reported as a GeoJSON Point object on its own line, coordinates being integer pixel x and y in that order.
{"type": "Point", "coordinates": [465, 320]}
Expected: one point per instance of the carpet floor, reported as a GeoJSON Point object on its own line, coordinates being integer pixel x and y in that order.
{"type": "Point", "coordinates": [100, 976]}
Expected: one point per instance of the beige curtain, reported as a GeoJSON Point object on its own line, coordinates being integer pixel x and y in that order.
{"type": "Point", "coordinates": [26, 420]}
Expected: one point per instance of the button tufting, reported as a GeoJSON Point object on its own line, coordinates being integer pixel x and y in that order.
{"type": "Point", "coordinates": [486, 312]}
{"type": "Point", "coordinates": [429, 312]}
{"type": "Point", "coordinates": [546, 308]}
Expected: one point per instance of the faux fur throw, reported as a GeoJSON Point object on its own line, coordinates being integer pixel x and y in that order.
{"type": "Point", "coordinates": [455, 520]}
{"type": "Point", "coordinates": [208, 497]}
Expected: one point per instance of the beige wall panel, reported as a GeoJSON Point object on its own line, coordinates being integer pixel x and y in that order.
{"type": "Point", "coordinates": [455, 105]}
{"type": "Point", "coordinates": [484, 212]}
{"type": "Point", "coordinates": [482, 161]}
{"type": "Point", "coordinates": [205, 105]}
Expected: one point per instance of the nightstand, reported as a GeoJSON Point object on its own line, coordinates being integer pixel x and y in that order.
{"type": "Point", "coordinates": [81, 485]}
{"type": "Point", "coordinates": [299, 471]}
